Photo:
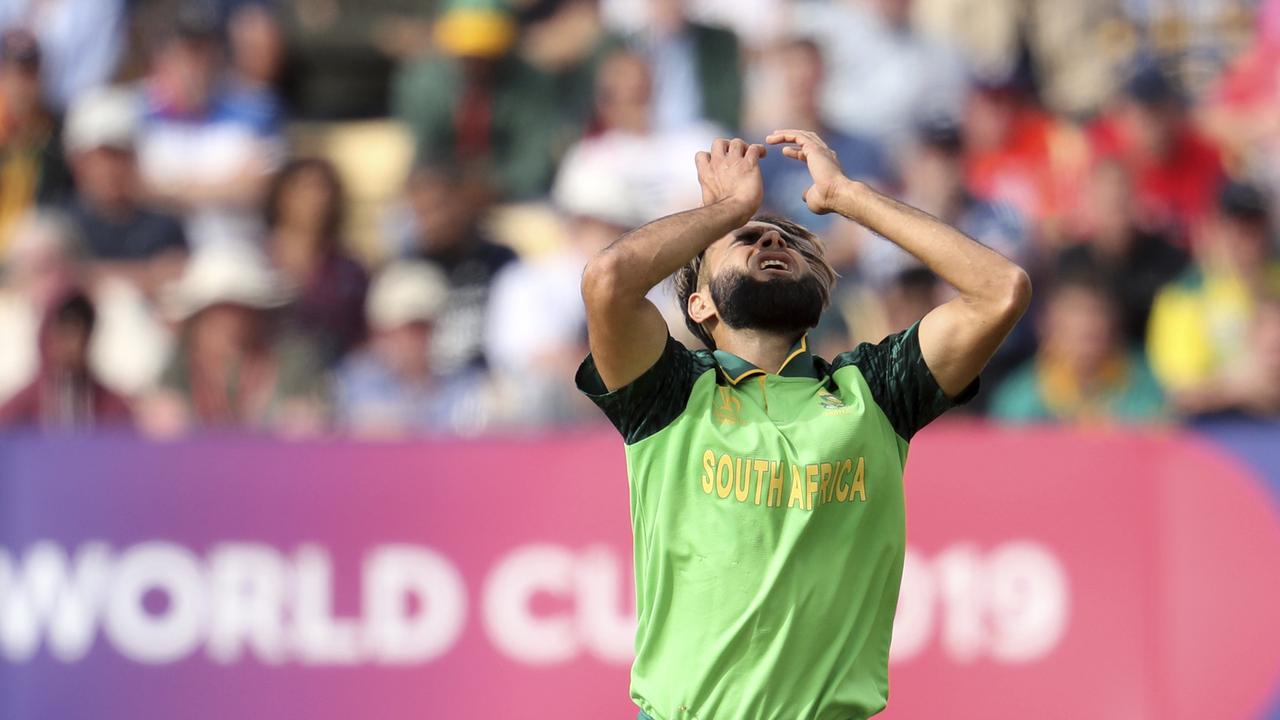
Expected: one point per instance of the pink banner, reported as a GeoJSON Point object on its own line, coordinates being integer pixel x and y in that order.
{"type": "Point", "coordinates": [1049, 575]}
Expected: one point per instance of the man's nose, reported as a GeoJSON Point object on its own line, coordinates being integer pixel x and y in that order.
{"type": "Point", "coordinates": [773, 240]}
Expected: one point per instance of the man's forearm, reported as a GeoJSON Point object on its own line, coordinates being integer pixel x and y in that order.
{"type": "Point", "coordinates": [976, 271]}
{"type": "Point", "coordinates": [646, 256]}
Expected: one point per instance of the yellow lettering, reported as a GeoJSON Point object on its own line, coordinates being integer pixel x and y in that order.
{"type": "Point", "coordinates": [724, 476]}
{"type": "Point", "coordinates": [859, 486]}
{"type": "Point", "coordinates": [842, 489]}
{"type": "Point", "coordinates": [797, 489]}
{"type": "Point", "coordinates": [826, 483]}
{"type": "Point", "coordinates": [708, 465]}
{"type": "Point", "coordinates": [810, 485]}
{"type": "Point", "coordinates": [742, 486]}
{"type": "Point", "coordinates": [762, 468]}
{"type": "Point", "coordinates": [775, 485]}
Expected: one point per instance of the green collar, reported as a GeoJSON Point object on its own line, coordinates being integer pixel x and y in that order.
{"type": "Point", "coordinates": [799, 363]}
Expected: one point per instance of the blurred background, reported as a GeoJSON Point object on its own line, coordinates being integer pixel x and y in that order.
{"type": "Point", "coordinates": [228, 223]}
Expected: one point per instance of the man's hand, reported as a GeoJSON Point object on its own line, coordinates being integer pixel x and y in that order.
{"type": "Point", "coordinates": [730, 173]}
{"type": "Point", "coordinates": [824, 166]}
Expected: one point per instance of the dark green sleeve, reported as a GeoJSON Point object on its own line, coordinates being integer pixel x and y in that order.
{"type": "Point", "coordinates": [653, 400]}
{"type": "Point", "coordinates": [901, 383]}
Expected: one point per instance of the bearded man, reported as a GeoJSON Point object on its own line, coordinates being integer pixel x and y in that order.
{"type": "Point", "coordinates": [766, 483]}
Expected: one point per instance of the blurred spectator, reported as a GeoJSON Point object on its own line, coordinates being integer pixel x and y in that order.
{"type": "Point", "coordinates": [42, 266]}
{"type": "Point", "coordinates": [82, 41]}
{"type": "Point", "coordinates": [570, 43]}
{"type": "Point", "coordinates": [122, 236]}
{"type": "Point", "coordinates": [1018, 154]}
{"type": "Point", "coordinates": [697, 73]}
{"type": "Point", "coordinates": [233, 367]}
{"type": "Point", "coordinates": [447, 206]}
{"type": "Point", "coordinates": [1174, 170]}
{"type": "Point", "coordinates": [257, 57]}
{"type": "Point", "coordinates": [304, 217]}
{"type": "Point", "coordinates": [933, 180]}
{"type": "Point", "coordinates": [800, 78]}
{"type": "Point", "coordinates": [1242, 110]}
{"type": "Point", "coordinates": [31, 166]}
{"type": "Point", "coordinates": [1083, 372]}
{"type": "Point", "coordinates": [1074, 46]}
{"type": "Point", "coordinates": [65, 394]}
{"type": "Point", "coordinates": [537, 331]}
{"type": "Point", "coordinates": [392, 388]}
{"type": "Point", "coordinates": [653, 167]}
{"type": "Point", "coordinates": [1253, 390]}
{"type": "Point", "coordinates": [205, 148]}
{"type": "Point", "coordinates": [1110, 237]}
{"type": "Point", "coordinates": [480, 105]}
{"type": "Point", "coordinates": [1199, 324]}
{"type": "Point", "coordinates": [885, 78]}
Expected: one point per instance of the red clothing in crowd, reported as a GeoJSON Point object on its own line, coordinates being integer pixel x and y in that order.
{"type": "Point", "coordinates": [1176, 189]}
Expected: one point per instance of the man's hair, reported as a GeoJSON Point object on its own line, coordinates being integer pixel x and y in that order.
{"type": "Point", "coordinates": [689, 278]}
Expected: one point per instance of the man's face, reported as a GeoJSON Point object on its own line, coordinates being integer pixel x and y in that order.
{"type": "Point", "coordinates": [19, 88]}
{"type": "Point", "coordinates": [106, 176]}
{"type": "Point", "coordinates": [444, 211]}
{"type": "Point", "coordinates": [757, 278]}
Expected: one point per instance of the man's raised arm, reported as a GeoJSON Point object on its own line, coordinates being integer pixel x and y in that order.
{"type": "Point", "coordinates": [626, 332]}
{"type": "Point", "coordinates": [960, 336]}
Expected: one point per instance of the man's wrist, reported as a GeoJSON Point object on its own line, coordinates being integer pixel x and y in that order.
{"type": "Point", "coordinates": [736, 212]}
{"type": "Point", "coordinates": [848, 197]}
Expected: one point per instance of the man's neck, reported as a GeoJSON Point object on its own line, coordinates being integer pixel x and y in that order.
{"type": "Point", "coordinates": [765, 350]}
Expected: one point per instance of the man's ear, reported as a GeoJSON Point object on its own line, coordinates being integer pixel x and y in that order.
{"type": "Point", "coordinates": [701, 306]}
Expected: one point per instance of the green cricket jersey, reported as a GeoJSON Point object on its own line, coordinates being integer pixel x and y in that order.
{"type": "Point", "coordinates": [767, 513]}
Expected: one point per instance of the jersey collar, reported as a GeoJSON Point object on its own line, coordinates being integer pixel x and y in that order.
{"type": "Point", "coordinates": [799, 363]}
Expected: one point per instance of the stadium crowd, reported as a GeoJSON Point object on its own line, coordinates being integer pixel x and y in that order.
{"type": "Point", "coordinates": [336, 217]}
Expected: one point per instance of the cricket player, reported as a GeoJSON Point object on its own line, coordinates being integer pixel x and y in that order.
{"type": "Point", "coordinates": [766, 483]}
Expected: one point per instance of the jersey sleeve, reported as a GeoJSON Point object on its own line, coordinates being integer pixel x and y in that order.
{"type": "Point", "coordinates": [901, 383]}
{"type": "Point", "coordinates": [652, 401]}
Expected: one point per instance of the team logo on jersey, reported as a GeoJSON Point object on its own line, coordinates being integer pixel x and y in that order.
{"type": "Point", "coordinates": [830, 401]}
{"type": "Point", "coordinates": [727, 410]}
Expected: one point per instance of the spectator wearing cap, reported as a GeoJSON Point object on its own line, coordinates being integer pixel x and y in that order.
{"type": "Point", "coordinates": [32, 171]}
{"type": "Point", "coordinates": [447, 206]}
{"type": "Point", "coordinates": [123, 236]}
{"type": "Point", "coordinates": [65, 394]}
{"type": "Point", "coordinates": [233, 367]}
{"type": "Point", "coordinates": [537, 323]}
{"type": "Point", "coordinates": [392, 387]}
{"type": "Point", "coordinates": [1199, 323]}
{"type": "Point", "coordinates": [205, 150]}
{"type": "Point", "coordinates": [304, 218]}
{"type": "Point", "coordinates": [1173, 168]}
{"type": "Point", "coordinates": [1083, 371]}
{"type": "Point", "coordinates": [796, 103]}
{"type": "Point", "coordinates": [476, 104]}
{"type": "Point", "coordinates": [82, 40]}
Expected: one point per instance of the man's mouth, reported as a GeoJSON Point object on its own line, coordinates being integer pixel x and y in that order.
{"type": "Point", "coordinates": [775, 263]}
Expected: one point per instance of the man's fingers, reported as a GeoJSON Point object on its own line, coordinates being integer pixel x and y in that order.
{"type": "Point", "coordinates": [758, 150]}
{"type": "Point", "coordinates": [800, 137]}
{"type": "Point", "coordinates": [794, 151]}
{"type": "Point", "coordinates": [720, 146]}
{"type": "Point", "coordinates": [703, 162]}
{"type": "Point", "coordinates": [737, 148]}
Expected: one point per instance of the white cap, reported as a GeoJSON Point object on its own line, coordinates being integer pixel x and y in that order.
{"type": "Point", "coordinates": [404, 292]}
{"type": "Point", "coordinates": [228, 272]}
{"type": "Point", "coordinates": [102, 117]}
{"type": "Point", "coordinates": [591, 185]}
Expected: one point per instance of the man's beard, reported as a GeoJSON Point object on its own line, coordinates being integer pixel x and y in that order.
{"type": "Point", "coordinates": [779, 305]}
